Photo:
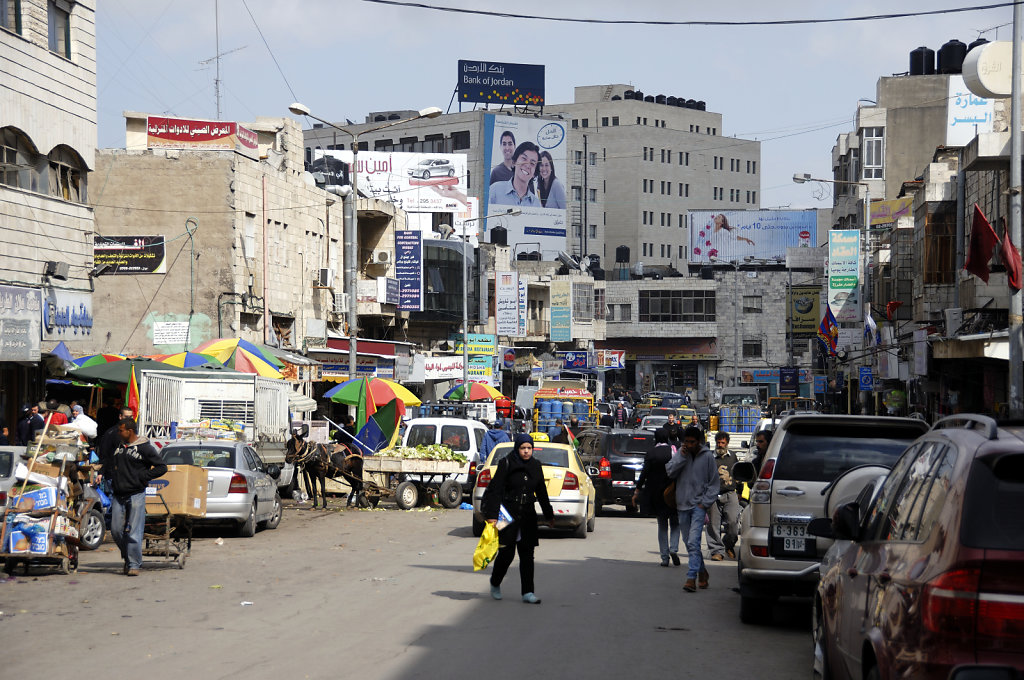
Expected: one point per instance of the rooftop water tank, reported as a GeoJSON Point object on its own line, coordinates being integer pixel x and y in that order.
{"type": "Point", "coordinates": [638, 95]}
{"type": "Point", "coordinates": [649, 98]}
{"type": "Point", "coordinates": [977, 43]}
{"type": "Point", "coordinates": [951, 57]}
{"type": "Point", "coordinates": [702, 105]}
{"type": "Point", "coordinates": [660, 99]}
{"type": "Point", "coordinates": [616, 97]}
{"type": "Point", "coordinates": [628, 94]}
{"type": "Point", "coordinates": [671, 101]}
{"type": "Point", "coordinates": [922, 61]}
{"type": "Point", "coordinates": [681, 102]}
{"type": "Point", "coordinates": [622, 254]}
{"type": "Point", "coordinates": [691, 103]}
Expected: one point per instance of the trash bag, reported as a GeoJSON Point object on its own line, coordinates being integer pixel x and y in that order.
{"type": "Point", "coordinates": [486, 549]}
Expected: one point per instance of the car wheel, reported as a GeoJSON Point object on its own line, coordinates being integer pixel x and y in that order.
{"type": "Point", "coordinates": [275, 515]}
{"type": "Point", "coordinates": [581, 530]}
{"type": "Point", "coordinates": [407, 495]}
{"type": "Point", "coordinates": [478, 527]}
{"type": "Point", "coordinates": [592, 522]}
{"type": "Point", "coordinates": [426, 174]}
{"type": "Point", "coordinates": [451, 173]}
{"type": "Point", "coordinates": [821, 669]}
{"type": "Point", "coordinates": [93, 530]}
{"type": "Point", "coordinates": [450, 494]}
{"type": "Point", "coordinates": [755, 610]}
{"type": "Point", "coordinates": [247, 529]}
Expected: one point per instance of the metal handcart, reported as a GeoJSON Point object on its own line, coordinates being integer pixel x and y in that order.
{"type": "Point", "coordinates": [167, 535]}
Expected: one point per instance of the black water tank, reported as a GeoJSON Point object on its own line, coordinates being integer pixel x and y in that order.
{"type": "Point", "coordinates": [638, 95]}
{"type": "Point", "coordinates": [523, 256]}
{"type": "Point", "coordinates": [681, 102]}
{"type": "Point", "coordinates": [598, 274]}
{"type": "Point", "coordinates": [649, 98]}
{"type": "Point", "coordinates": [535, 256]}
{"type": "Point", "coordinates": [660, 99]}
{"type": "Point", "coordinates": [951, 57]}
{"type": "Point", "coordinates": [595, 261]}
{"type": "Point", "coordinates": [395, 116]}
{"type": "Point", "coordinates": [977, 43]}
{"type": "Point", "coordinates": [922, 61]}
{"type": "Point", "coordinates": [379, 118]}
{"type": "Point", "coordinates": [622, 254]}
{"type": "Point", "coordinates": [702, 105]}
{"type": "Point", "coordinates": [691, 103]}
{"type": "Point", "coordinates": [707, 273]}
{"type": "Point", "coordinates": [628, 94]}
{"type": "Point", "coordinates": [499, 236]}
{"type": "Point", "coordinates": [671, 101]}
{"type": "Point", "coordinates": [616, 97]}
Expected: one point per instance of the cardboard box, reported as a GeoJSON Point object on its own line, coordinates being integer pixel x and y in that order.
{"type": "Point", "coordinates": [40, 543]}
{"type": "Point", "coordinates": [40, 499]}
{"type": "Point", "coordinates": [17, 542]}
{"type": "Point", "coordinates": [183, 488]}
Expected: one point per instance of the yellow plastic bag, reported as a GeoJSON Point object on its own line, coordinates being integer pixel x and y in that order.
{"type": "Point", "coordinates": [486, 549]}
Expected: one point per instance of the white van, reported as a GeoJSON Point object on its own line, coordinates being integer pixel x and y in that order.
{"type": "Point", "coordinates": [460, 435]}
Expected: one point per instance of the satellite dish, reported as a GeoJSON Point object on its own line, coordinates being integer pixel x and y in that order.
{"type": "Point", "coordinates": [308, 179]}
{"type": "Point", "coordinates": [567, 260]}
{"type": "Point", "coordinates": [585, 263]}
{"type": "Point", "coordinates": [638, 269]}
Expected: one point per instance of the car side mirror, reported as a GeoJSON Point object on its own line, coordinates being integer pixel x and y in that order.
{"type": "Point", "coordinates": [592, 471]}
{"type": "Point", "coordinates": [744, 472]}
{"type": "Point", "coordinates": [821, 526]}
{"type": "Point", "coordinates": [274, 470]}
{"type": "Point", "coordinates": [846, 522]}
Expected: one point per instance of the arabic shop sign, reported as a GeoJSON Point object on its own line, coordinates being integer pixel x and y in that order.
{"type": "Point", "coordinates": [20, 316]}
{"type": "Point", "coordinates": [501, 83]}
{"type": "Point", "coordinates": [67, 316]}
{"type": "Point", "coordinates": [967, 115]}
{"type": "Point", "coordinates": [130, 254]}
{"type": "Point", "coordinates": [200, 135]}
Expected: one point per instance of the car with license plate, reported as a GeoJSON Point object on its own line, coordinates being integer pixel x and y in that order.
{"type": "Point", "coordinates": [241, 488]}
{"type": "Point", "coordinates": [925, 574]}
{"type": "Point", "coordinates": [432, 167]}
{"type": "Point", "coordinates": [569, 487]}
{"type": "Point", "coordinates": [807, 452]}
{"type": "Point", "coordinates": [614, 460]}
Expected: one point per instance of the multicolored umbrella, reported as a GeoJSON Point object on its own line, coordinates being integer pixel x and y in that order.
{"type": "Point", "coordinates": [120, 371]}
{"type": "Point", "coordinates": [477, 392]}
{"type": "Point", "coordinates": [367, 394]}
{"type": "Point", "coordinates": [243, 356]}
{"type": "Point", "coordinates": [190, 359]}
{"type": "Point", "coordinates": [97, 359]}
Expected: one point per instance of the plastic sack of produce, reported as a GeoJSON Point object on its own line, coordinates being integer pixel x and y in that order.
{"type": "Point", "coordinates": [486, 549]}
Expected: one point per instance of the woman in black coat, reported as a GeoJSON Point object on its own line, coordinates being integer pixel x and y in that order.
{"type": "Point", "coordinates": [650, 490]}
{"type": "Point", "coordinates": [517, 484]}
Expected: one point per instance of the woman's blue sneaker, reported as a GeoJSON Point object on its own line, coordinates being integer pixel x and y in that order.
{"type": "Point", "coordinates": [496, 592]}
{"type": "Point", "coordinates": [530, 598]}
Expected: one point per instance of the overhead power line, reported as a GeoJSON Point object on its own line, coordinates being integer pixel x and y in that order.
{"type": "Point", "coordinates": [696, 22]}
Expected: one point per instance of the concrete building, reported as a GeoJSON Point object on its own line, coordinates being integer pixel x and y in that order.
{"type": "Point", "coordinates": [48, 139]}
{"type": "Point", "coordinates": [636, 165]}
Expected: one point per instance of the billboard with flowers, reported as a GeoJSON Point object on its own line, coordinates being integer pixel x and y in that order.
{"type": "Point", "coordinates": [760, 234]}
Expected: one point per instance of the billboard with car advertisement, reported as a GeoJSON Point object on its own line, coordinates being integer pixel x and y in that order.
{"type": "Point", "coordinates": [760, 234]}
{"type": "Point", "coordinates": [525, 159]}
{"type": "Point", "coordinates": [415, 182]}
{"type": "Point", "coordinates": [495, 82]}
{"type": "Point", "coordinates": [844, 274]}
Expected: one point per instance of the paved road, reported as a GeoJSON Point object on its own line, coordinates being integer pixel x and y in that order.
{"type": "Point", "coordinates": [391, 595]}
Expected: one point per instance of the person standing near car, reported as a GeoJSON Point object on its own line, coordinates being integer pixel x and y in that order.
{"type": "Point", "coordinates": [133, 465]}
{"type": "Point", "coordinates": [697, 484]}
{"type": "Point", "coordinates": [517, 484]}
{"type": "Point", "coordinates": [727, 505]}
{"type": "Point", "coordinates": [761, 440]}
{"type": "Point", "coordinates": [494, 436]}
{"type": "Point", "coordinates": [650, 494]}
{"type": "Point", "coordinates": [673, 430]}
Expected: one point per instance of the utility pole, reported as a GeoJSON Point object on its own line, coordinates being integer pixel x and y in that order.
{"type": "Point", "coordinates": [1015, 322]}
{"type": "Point", "coordinates": [586, 190]}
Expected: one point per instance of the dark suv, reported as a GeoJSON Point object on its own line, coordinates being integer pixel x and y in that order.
{"type": "Point", "coordinates": [927, 575]}
{"type": "Point", "coordinates": [614, 459]}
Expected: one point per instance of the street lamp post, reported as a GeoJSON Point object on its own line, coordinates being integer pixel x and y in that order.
{"type": "Point", "coordinates": [511, 212]}
{"type": "Point", "coordinates": [801, 178]}
{"type": "Point", "coordinates": [351, 217]}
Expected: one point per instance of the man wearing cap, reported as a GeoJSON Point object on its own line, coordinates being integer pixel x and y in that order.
{"type": "Point", "coordinates": [494, 436]}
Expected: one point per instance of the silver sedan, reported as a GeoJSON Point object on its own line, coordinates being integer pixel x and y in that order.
{"type": "Point", "coordinates": [241, 488]}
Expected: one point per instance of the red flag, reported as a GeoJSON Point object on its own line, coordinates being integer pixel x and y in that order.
{"type": "Point", "coordinates": [983, 240]}
{"type": "Point", "coordinates": [891, 307]}
{"type": "Point", "coordinates": [1010, 257]}
{"type": "Point", "coordinates": [133, 394]}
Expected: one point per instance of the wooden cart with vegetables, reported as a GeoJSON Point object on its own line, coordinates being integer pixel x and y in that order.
{"type": "Point", "coordinates": [412, 475]}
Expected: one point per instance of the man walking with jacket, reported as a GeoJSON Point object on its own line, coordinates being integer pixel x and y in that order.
{"type": "Point", "coordinates": [697, 483]}
{"type": "Point", "coordinates": [494, 436]}
{"type": "Point", "coordinates": [130, 468]}
{"type": "Point", "coordinates": [727, 505]}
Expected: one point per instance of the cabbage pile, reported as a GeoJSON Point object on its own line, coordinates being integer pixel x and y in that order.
{"type": "Point", "coordinates": [423, 452]}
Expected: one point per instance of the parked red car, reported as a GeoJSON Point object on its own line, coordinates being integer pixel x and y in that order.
{"type": "Point", "coordinates": [929, 575]}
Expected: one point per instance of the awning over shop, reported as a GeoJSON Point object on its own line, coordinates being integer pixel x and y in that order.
{"type": "Point", "coordinates": [995, 345]}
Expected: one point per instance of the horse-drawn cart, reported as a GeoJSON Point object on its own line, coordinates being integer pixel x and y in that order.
{"type": "Point", "coordinates": [410, 479]}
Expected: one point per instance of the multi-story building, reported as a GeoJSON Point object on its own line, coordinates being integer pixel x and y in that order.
{"type": "Point", "coordinates": [47, 150]}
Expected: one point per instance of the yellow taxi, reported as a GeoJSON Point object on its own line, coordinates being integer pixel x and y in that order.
{"type": "Point", "coordinates": [569, 487]}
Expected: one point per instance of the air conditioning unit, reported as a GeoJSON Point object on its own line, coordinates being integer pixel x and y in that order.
{"type": "Point", "coordinates": [380, 257]}
{"type": "Point", "coordinates": [325, 278]}
{"type": "Point", "coordinates": [341, 303]}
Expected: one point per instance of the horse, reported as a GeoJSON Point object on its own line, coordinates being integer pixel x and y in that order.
{"type": "Point", "coordinates": [313, 460]}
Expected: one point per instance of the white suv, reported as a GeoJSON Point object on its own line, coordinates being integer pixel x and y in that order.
{"type": "Point", "coordinates": [807, 452]}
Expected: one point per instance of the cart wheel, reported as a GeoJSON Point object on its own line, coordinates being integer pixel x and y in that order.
{"type": "Point", "coordinates": [65, 565]}
{"type": "Point", "coordinates": [10, 564]}
{"type": "Point", "coordinates": [450, 494]}
{"type": "Point", "coordinates": [74, 562]}
{"type": "Point", "coordinates": [374, 499]}
{"type": "Point", "coordinates": [180, 560]}
{"type": "Point", "coordinates": [407, 495]}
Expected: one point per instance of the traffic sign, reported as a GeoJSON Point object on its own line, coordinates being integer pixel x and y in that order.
{"type": "Point", "coordinates": [866, 381]}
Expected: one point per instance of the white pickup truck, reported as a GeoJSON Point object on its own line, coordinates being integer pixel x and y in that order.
{"type": "Point", "coordinates": [169, 399]}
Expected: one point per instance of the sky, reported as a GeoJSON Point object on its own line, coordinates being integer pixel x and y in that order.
{"type": "Point", "coordinates": [795, 88]}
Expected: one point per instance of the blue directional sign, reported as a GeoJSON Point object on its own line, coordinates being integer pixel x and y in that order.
{"type": "Point", "coordinates": [866, 381]}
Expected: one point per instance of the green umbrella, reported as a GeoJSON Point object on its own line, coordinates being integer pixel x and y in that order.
{"type": "Point", "coordinates": [120, 371]}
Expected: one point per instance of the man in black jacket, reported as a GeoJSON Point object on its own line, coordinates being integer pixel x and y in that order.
{"type": "Point", "coordinates": [131, 467]}
{"type": "Point", "coordinates": [727, 505]}
{"type": "Point", "coordinates": [674, 431]}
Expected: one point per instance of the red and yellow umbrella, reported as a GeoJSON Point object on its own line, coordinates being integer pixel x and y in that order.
{"type": "Point", "coordinates": [477, 392]}
{"type": "Point", "coordinates": [242, 355]}
{"type": "Point", "coordinates": [189, 359]}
